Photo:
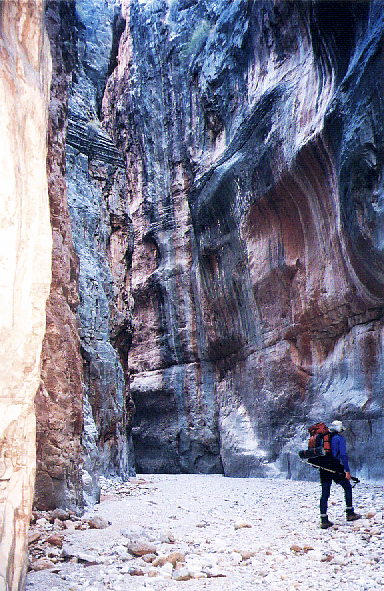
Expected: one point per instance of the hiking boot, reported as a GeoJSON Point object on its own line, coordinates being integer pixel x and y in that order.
{"type": "Point", "coordinates": [325, 523]}
{"type": "Point", "coordinates": [352, 516]}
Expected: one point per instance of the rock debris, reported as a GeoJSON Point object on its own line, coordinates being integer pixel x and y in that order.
{"type": "Point", "coordinates": [195, 532]}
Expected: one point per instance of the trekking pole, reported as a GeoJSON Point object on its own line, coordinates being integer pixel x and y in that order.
{"type": "Point", "coordinates": [353, 478]}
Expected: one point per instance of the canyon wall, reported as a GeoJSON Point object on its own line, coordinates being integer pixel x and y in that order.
{"type": "Point", "coordinates": [219, 165]}
{"type": "Point", "coordinates": [25, 270]}
{"type": "Point", "coordinates": [83, 406]}
{"type": "Point", "coordinates": [59, 399]}
{"type": "Point", "coordinates": [103, 240]}
{"type": "Point", "coordinates": [254, 141]}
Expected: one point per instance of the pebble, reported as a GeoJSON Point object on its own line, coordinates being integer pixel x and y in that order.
{"type": "Point", "coordinates": [182, 574]}
{"type": "Point", "coordinates": [60, 514]}
{"type": "Point", "coordinates": [143, 548]}
{"type": "Point", "coordinates": [33, 536]}
{"type": "Point", "coordinates": [42, 564]}
{"type": "Point", "coordinates": [69, 525]}
{"type": "Point", "coordinates": [241, 524]}
{"type": "Point", "coordinates": [55, 540]}
{"type": "Point", "coordinates": [85, 557]}
{"type": "Point", "coordinates": [98, 522]}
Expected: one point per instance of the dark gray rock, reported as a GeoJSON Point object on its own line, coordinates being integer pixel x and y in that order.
{"type": "Point", "coordinates": [258, 270]}
{"type": "Point", "coordinates": [103, 239]}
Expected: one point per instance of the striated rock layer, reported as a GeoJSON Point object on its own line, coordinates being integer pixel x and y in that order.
{"type": "Point", "coordinates": [102, 236]}
{"type": "Point", "coordinates": [83, 405]}
{"type": "Point", "coordinates": [253, 133]}
{"type": "Point", "coordinates": [25, 269]}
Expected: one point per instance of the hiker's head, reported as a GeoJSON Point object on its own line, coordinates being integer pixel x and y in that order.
{"type": "Point", "coordinates": [336, 427]}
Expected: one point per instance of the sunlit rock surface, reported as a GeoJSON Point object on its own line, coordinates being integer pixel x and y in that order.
{"type": "Point", "coordinates": [253, 134]}
{"type": "Point", "coordinates": [25, 268]}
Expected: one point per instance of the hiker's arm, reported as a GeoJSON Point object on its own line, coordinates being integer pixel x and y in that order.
{"type": "Point", "coordinates": [343, 456]}
{"type": "Point", "coordinates": [348, 475]}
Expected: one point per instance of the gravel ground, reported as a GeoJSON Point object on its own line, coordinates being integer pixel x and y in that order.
{"type": "Point", "coordinates": [200, 532]}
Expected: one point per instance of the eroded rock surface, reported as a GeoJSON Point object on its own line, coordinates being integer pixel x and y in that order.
{"type": "Point", "coordinates": [60, 397]}
{"type": "Point", "coordinates": [83, 405]}
{"type": "Point", "coordinates": [25, 268]}
{"type": "Point", "coordinates": [253, 134]}
{"type": "Point", "coordinates": [102, 235]}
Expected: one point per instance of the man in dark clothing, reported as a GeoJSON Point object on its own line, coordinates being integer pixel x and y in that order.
{"type": "Point", "coordinates": [338, 462]}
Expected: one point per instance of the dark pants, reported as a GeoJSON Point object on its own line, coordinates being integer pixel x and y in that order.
{"type": "Point", "coordinates": [326, 479]}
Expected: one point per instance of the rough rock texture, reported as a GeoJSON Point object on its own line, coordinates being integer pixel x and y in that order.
{"type": "Point", "coordinates": [102, 235]}
{"type": "Point", "coordinates": [25, 269]}
{"type": "Point", "coordinates": [59, 399]}
{"type": "Point", "coordinates": [83, 405]}
{"type": "Point", "coordinates": [254, 138]}
{"type": "Point", "coordinates": [216, 533]}
{"type": "Point", "coordinates": [175, 411]}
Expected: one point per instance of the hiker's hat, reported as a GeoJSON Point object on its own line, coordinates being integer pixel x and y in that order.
{"type": "Point", "coordinates": [336, 427]}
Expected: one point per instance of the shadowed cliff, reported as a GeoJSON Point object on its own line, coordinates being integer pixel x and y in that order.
{"type": "Point", "coordinates": [254, 130]}
{"type": "Point", "coordinates": [83, 405]}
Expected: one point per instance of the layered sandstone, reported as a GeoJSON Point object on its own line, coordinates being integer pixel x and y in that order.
{"type": "Point", "coordinates": [25, 245]}
{"type": "Point", "coordinates": [253, 135]}
{"type": "Point", "coordinates": [102, 236]}
{"type": "Point", "coordinates": [83, 405]}
{"type": "Point", "coordinates": [60, 396]}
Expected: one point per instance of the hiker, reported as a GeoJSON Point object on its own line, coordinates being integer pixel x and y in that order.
{"type": "Point", "coordinates": [339, 453]}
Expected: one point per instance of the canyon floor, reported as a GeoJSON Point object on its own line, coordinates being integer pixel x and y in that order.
{"type": "Point", "coordinates": [198, 532]}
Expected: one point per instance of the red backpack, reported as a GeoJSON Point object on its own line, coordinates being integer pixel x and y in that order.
{"type": "Point", "coordinates": [320, 436]}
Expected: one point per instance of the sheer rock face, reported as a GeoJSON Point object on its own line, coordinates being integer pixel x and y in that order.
{"type": "Point", "coordinates": [25, 245]}
{"type": "Point", "coordinates": [253, 134]}
{"type": "Point", "coordinates": [83, 405]}
{"type": "Point", "coordinates": [102, 235]}
{"type": "Point", "coordinates": [59, 399]}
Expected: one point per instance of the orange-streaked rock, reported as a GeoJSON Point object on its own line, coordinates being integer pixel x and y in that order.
{"type": "Point", "coordinates": [25, 269]}
{"type": "Point", "coordinates": [59, 399]}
